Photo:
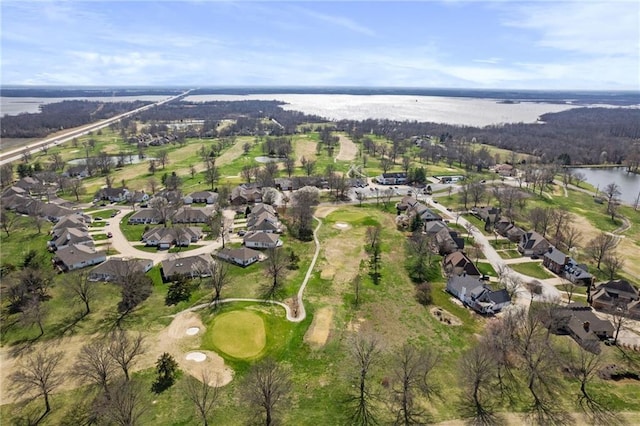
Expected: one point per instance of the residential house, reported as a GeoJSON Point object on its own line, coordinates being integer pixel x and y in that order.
{"type": "Point", "coordinates": [448, 241]}
{"type": "Point", "coordinates": [74, 221]}
{"type": "Point", "coordinates": [145, 216]}
{"type": "Point", "coordinates": [578, 273]}
{"type": "Point", "coordinates": [457, 263]}
{"type": "Point", "coordinates": [115, 195]}
{"type": "Point", "coordinates": [261, 207]}
{"type": "Point", "coordinates": [474, 293]}
{"type": "Point", "coordinates": [32, 185]}
{"type": "Point", "coordinates": [264, 222]}
{"type": "Point", "coordinates": [245, 194]}
{"type": "Point", "coordinates": [207, 197]}
{"type": "Point", "coordinates": [505, 227]}
{"type": "Point", "coordinates": [489, 215]}
{"type": "Point", "coordinates": [172, 196]}
{"type": "Point", "coordinates": [392, 178]}
{"type": "Point", "coordinates": [566, 267]}
{"type": "Point", "coordinates": [579, 322]}
{"type": "Point", "coordinates": [242, 256]}
{"type": "Point", "coordinates": [14, 190]}
{"type": "Point", "coordinates": [137, 197]}
{"type": "Point", "coordinates": [116, 269]}
{"type": "Point", "coordinates": [533, 244]}
{"type": "Point", "coordinates": [77, 256]}
{"type": "Point", "coordinates": [188, 214]}
{"type": "Point", "coordinates": [284, 184]}
{"type": "Point", "coordinates": [555, 260]}
{"type": "Point", "coordinates": [69, 236]}
{"type": "Point", "coordinates": [261, 240]}
{"type": "Point", "coordinates": [617, 295]}
{"type": "Point", "coordinates": [54, 212]}
{"type": "Point", "coordinates": [164, 238]}
{"type": "Point", "coordinates": [191, 266]}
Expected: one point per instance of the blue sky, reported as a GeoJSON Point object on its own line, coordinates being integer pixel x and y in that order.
{"type": "Point", "coordinates": [592, 45]}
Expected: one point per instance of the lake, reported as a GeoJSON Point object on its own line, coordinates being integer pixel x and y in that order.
{"type": "Point", "coordinates": [629, 183]}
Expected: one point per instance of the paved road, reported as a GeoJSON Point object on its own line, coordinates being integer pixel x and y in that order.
{"type": "Point", "coordinates": [126, 249]}
{"type": "Point", "coordinates": [524, 295]}
{"type": "Point", "coordinates": [16, 154]}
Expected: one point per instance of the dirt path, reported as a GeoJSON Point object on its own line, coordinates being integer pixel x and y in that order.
{"type": "Point", "coordinates": [348, 149]}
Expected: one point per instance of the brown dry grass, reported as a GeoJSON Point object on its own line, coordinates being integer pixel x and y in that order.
{"type": "Point", "coordinates": [318, 333]}
{"type": "Point", "coordinates": [348, 149]}
{"type": "Point", "coordinates": [172, 339]}
{"type": "Point", "coordinates": [304, 148]}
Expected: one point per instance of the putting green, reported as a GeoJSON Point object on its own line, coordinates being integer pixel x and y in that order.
{"type": "Point", "coordinates": [240, 334]}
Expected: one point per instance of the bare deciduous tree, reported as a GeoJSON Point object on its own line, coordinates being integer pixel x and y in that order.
{"type": "Point", "coordinates": [37, 376]}
{"type": "Point", "coordinates": [267, 385]}
{"type": "Point", "coordinates": [478, 373]}
{"type": "Point", "coordinates": [600, 246]}
{"type": "Point", "coordinates": [96, 365]}
{"type": "Point", "coordinates": [365, 350]}
{"type": "Point", "coordinates": [82, 289]}
{"type": "Point", "coordinates": [219, 277]}
{"type": "Point", "coordinates": [203, 393]}
{"type": "Point", "coordinates": [124, 349]}
{"type": "Point", "coordinates": [411, 373]}
{"type": "Point", "coordinates": [275, 268]}
{"type": "Point", "coordinates": [613, 263]}
{"type": "Point", "coordinates": [126, 404]}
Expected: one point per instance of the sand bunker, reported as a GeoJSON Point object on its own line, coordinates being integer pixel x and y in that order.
{"type": "Point", "coordinates": [445, 317]}
{"type": "Point", "coordinates": [317, 335]}
{"type": "Point", "coordinates": [196, 356]}
{"type": "Point", "coordinates": [192, 331]}
{"type": "Point", "coordinates": [342, 225]}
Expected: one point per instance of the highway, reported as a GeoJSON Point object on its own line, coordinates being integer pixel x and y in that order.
{"type": "Point", "coordinates": [17, 154]}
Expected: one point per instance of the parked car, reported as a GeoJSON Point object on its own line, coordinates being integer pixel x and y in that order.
{"type": "Point", "coordinates": [96, 219]}
{"type": "Point", "coordinates": [242, 232]}
{"type": "Point", "coordinates": [109, 235]}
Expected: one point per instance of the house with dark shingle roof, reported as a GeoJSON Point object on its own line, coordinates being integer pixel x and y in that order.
{"type": "Point", "coordinates": [473, 292]}
{"type": "Point", "coordinates": [262, 240]}
{"type": "Point", "coordinates": [617, 294]}
{"type": "Point", "coordinates": [208, 197]}
{"type": "Point", "coordinates": [188, 214]}
{"type": "Point", "coordinates": [69, 236]}
{"type": "Point", "coordinates": [555, 260]}
{"type": "Point", "coordinates": [115, 195]}
{"type": "Point", "coordinates": [533, 244]}
{"type": "Point", "coordinates": [145, 216]}
{"type": "Point", "coordinates": [164, 238]}
{"type": "Point", "coordinates": [190, 266]}
{"type": "Point", "coordinates": [241, 256]}
{"type": "Point", "coordinates": [116, 268]}
{"type": "Point", "coordinates": [457, 263]}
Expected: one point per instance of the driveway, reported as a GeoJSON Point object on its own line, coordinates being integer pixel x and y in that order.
{"type": "Point", "coordinates": [126, 249]}
{"type": "Point", "coordinates": [548, 290]}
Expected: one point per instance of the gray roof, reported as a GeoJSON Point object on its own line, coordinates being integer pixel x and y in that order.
{"type": "Point", "coordinates": [556, 255]}
{"type": "Point", "coordinates": [191, 265]}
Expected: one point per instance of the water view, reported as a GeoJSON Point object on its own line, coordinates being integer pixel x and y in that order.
{"type": "Point", "coordinates": [629, 183]}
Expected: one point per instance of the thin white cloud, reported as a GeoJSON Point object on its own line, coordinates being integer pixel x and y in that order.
{"type": "Point", "coordinates": [339, 21]}
{"type": "Point", "coordinates": [587, 27]}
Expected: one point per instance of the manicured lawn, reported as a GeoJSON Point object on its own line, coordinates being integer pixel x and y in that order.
{"type": "Point", "coordinates": [239, 334]}
{"type": "Point", "coordinates": [509, 254]}
{"type": "Point", "coordinates": [533, 269]}
{"type": "Point", "coordinates": [487, 269]}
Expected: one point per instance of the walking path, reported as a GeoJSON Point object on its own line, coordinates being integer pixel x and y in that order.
{"type": "Point", "coordinates": [298, 313]}
{"type": "Point", "coordinates": [125, 249]}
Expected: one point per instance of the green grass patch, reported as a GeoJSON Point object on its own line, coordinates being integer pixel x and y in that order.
{"type": "Point", "coordinates": [509, 254]}
{"type": "Point", "coordinates": [532, 269]}
{"type": "Point", "coordinates": [487, 269]}
{"type": "Point", "coordinates": [104, 214]}
{"type": "Point", "coordinates": [239, 334]}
